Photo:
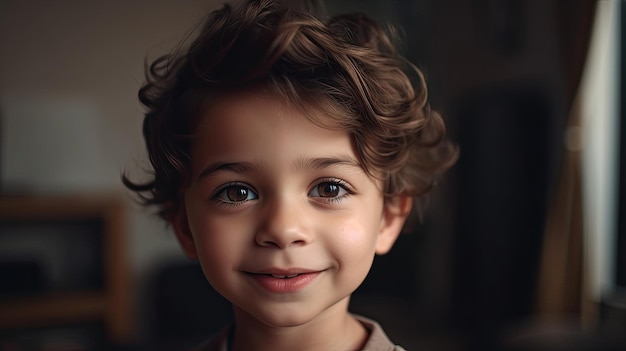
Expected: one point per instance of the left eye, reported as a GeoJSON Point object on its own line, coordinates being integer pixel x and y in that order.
{"type": "Point", "coordinates": [236, 193]}
{"type": "Point", "coordinates": [328, 190]}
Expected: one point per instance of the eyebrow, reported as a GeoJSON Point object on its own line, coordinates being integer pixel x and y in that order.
{"type": "Point", "coordinates": [326, 162]}
{"type": "Point", "coordinates": [301, 164]}
{"type": "Point", "coordinates": [236, 167]}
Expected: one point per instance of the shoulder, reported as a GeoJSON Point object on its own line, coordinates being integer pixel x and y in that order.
{"type": "Point", "coordinates": [378, 340]}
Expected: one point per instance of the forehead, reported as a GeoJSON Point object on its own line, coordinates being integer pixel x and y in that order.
{"type": "Point", "coordinates": [256, 123]}
{"type": "Point", "coordinates": [314, 106]}
{"type": "Point", "coordinates": [241, 113]}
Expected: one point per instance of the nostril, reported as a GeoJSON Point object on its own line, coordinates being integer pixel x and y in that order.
{"type": "Point", "coordinates": [298, 242]}
{"type": "Point", "coordinates": [270, 243]}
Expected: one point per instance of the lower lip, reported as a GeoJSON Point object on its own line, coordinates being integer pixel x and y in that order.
{"type": "Point", "coordinates": [285, 285]}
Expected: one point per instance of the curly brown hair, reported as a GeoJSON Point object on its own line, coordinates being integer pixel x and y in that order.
{"type": "Point", "coordinates": [345, 66]}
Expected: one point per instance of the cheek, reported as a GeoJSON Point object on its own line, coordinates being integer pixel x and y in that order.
{"type": "Point", "coordinates": [355, 233]}
{"type": "Point", "coordinates": [354, 251]}
{"type": "Point", "coordinates": [219, 243]}
{"type": "Point", "coordinates": [357, 240]}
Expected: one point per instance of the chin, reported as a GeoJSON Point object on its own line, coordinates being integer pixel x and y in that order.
{"type": "Point", "coordinates": [285, 315]}
{"type": "Point", "coordinates": [284, 319]}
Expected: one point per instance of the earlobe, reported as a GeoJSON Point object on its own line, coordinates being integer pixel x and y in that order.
{"type": "Point", "coordinates": [183, 233]}
{"type": "Point", "coordinates": [395, 213]}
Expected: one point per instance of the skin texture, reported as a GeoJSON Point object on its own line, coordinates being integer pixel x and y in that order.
{"type": "Point", "coordinates": [271, 192]}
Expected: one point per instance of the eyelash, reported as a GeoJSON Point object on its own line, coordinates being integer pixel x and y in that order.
{"type": "Point", "coordinates": [233, 185]}
{"type": "Point", "coordinates": [333, 181]}
{"type": "Point", "coordinates": [343, 185]}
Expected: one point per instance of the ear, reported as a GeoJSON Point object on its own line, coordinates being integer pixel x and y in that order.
{"type": "Point", "coordinates": [395, 212]}
{"type": "Point", "coordinates": [181, 228]}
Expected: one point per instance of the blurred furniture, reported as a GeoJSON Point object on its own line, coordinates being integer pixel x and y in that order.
{"type": "Point", "coordinates": [92, 285]}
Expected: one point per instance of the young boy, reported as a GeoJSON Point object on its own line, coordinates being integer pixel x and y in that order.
{"type": "Point", "coordinates": [287, 149]}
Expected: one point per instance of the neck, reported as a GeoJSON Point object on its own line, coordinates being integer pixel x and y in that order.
{"type": "Point", "coordinates": [333, 329]}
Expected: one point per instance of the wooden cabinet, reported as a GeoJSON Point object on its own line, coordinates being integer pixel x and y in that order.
{"type": "Point", "coordinates": [109, 302]}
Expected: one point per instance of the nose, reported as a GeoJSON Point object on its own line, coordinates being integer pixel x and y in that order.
{"type": "Point", "coordinates": [283, 225]}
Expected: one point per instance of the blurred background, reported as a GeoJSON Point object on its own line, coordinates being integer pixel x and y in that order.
{"type": "Point", "coordinates": [523, 246]}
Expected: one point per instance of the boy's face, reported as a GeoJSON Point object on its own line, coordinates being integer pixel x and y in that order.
{"type": "Point", "coordinates": [282, 218]}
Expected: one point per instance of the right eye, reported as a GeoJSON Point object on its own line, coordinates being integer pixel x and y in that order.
{"type": "Point", "coordinates": [235, 193]}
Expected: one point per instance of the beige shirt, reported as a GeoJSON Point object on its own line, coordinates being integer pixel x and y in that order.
{"type": "Point", "coordinates": [377, 341]}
